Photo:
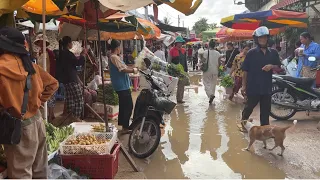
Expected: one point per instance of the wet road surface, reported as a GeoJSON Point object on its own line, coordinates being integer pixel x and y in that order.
{"type": "Point", "coordinates": [203, 141]}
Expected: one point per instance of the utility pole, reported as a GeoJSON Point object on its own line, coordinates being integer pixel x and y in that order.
{"type": "Point", "coordinates": [178, 21]}
{"type": "Point", "coordinates": [182, 23]}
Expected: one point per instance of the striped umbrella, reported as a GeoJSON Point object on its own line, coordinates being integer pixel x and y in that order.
{"type": "Point", "coordinates": [271, 19]}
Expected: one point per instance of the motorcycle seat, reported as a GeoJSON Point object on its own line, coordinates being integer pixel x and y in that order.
{"type": "Point", "coordinates": [302, 81]}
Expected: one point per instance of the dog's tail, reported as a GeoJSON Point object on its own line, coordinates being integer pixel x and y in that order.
{"type": "Point", "coordinates": [293, 125]}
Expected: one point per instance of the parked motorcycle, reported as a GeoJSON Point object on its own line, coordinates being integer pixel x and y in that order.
{"type": "Point", "coordinates": [293, 95]}
{"type": "Point", "coordinates": [151, 105]}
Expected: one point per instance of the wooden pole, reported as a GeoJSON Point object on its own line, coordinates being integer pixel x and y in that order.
{"type": "Point", "coordinates": [101, 68]}
{"type": "Point", "coordinates": [44, 50]}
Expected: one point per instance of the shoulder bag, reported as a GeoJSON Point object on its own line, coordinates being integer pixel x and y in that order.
{"type": "Point", "coordinates": [205, 65]}
{"type": "Point", "coordinates": [11, 127]}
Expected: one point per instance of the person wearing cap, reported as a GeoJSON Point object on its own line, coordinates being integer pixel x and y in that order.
{"type": "Point", "coordinates": [29, 158]}
{"type": "Point", "coordinates": [177, 55]}
{"type": "Point", "coordinates": [257, 76]}
{"type": "Point", "coordinates": [50, 68]}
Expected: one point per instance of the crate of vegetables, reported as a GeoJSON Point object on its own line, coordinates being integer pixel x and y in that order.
{"type": "Point", "coordinates": [88, 144]}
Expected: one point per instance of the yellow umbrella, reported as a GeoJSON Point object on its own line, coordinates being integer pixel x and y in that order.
{"type": "Point", "coordinates": [8, 6]}
{"type": "Point", "coordinates": [35, 6]}
{"type": "Point", "coordinates": [185, 6]}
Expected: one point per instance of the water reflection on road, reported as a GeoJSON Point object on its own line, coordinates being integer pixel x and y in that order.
{"type": "Point", "coordinates": [202, 141]}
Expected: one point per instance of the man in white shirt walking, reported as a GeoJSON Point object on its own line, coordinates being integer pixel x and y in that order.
{"type": "Point", "coordinates": [160, 54]}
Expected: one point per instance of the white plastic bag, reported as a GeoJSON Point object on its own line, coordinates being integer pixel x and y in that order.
{"type": "Point", "coordinates": [146, 53]}
{"type": "Point", "coordinates": [93, 85]}
{"type": "Point", "coordinates": [59, 172]}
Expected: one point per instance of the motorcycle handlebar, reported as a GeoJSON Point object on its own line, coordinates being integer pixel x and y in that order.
{"type": "Point", "coordinates": [316, 68]}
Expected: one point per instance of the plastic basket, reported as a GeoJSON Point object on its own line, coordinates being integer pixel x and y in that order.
{"type": "Point", "coordinates": [97, 149]}
{"type": "Point", "coordinates": [94, 166]}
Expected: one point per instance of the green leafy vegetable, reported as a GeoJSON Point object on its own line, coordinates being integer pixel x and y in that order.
{"type": "Point", "coordinates": [227, 81]}
{"type": "Point", "coordinates": [111, 97]}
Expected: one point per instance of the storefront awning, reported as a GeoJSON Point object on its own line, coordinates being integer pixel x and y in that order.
{"type": "Point", "coordinates": [284, 3]}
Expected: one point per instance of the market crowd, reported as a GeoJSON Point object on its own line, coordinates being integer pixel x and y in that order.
{"type": "Point", "coordinates": [249, 64]}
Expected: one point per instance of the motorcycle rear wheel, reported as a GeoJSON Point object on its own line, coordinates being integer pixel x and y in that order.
{"type": "Point", "coordinates": [289, 98]}
{"type": "Point", "coordinates": [135, 143]}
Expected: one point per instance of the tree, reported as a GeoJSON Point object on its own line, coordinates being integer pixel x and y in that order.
{"type": "Point", "coordinates": [213, 26]}
{"type": "Point", "coordinates": [167, 20]}
{"type": "Point", "coordinates": [201, 25]}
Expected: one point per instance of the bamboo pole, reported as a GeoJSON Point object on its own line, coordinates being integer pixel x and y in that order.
{"type": "Point", "coordinates": [101, 68]}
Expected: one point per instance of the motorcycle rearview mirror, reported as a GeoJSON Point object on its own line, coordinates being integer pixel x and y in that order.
{"type": "Point", "coordinates": [147, 62]}
{"type": "Point", "coordinates": [311, 58]}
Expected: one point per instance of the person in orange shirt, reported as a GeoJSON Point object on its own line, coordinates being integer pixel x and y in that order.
{"type": "Point", "coordinates": [29, 158]}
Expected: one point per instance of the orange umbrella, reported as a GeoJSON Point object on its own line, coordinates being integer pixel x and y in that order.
{"type": "Point", "coordinates": [35, 7]}
{"type": "Point", "coordinates": [132, 35]}
{"type": "Point", "coordinates": [248, 33]}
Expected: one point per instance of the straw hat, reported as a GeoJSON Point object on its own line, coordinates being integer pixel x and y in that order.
{"type": "Point", "coordinates": [41, 38]}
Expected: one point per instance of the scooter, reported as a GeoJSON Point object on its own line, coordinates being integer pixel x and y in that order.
{"type": "Point", "coordinates": [151, 105]}
{"type": "Point", "coordinates": [293, 95]}
{"type": "Point", "coordinates": [289, 67]}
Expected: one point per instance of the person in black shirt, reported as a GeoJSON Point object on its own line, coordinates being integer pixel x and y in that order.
{"type": "Point", "coordinates": [257, 77]}
{"type": "Point", "coordinates": [231, 53]}
{"type": "Point", "coordinates": [69, 77]}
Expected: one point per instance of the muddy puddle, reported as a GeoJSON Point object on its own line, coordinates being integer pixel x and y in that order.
{"type": "Point", "coordinates": [202, 141]}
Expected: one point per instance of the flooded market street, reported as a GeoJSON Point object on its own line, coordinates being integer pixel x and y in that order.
{"type": "Point", "coordinates": [202, 141]}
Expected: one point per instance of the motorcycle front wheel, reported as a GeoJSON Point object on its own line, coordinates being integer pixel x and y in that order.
{"type": "Point", "coordinates": [279, 112]}
{"type": "Point", "coordinates": [143, 145]}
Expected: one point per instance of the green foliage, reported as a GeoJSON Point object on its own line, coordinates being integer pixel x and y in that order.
{"type": "Point", "coordinates": [227, 81]}
{"type": "Point", "coordinates": [178, 71]}
{"type": "Point", "coordinates": [111, 97]}
{"type": "Point", "coordinates": [221, 71]}
{"type": "Point", "coordinates": [201, 25]}
{"type": "Point", "coordinates": [54, 136]}
{"type": "Point", "coordinates": [156, 67]}
{"type": "Point", "coordinates": [213, 26]}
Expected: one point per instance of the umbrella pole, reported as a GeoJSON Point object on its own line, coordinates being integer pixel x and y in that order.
{"type": "Point", "coordinates": [84, 69]}
{"type": "Point", "coordinates": [44, 49]}
{"type": "Point", "coordinates": [101, 68]}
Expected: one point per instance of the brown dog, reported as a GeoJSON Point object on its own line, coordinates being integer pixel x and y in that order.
{"type": "Point", "coordinates": [262, 133]}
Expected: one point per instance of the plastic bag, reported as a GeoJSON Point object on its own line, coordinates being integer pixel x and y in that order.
{"type": "Point", "coordinates": [146, 53]}
{"type": "Point", "coordinates": [59, 172]}
{"type": "Point", "coordinates": [93, 85]}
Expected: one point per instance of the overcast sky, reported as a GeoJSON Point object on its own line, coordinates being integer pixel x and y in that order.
{"type": "Point", "coordinates": [213, 10]}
